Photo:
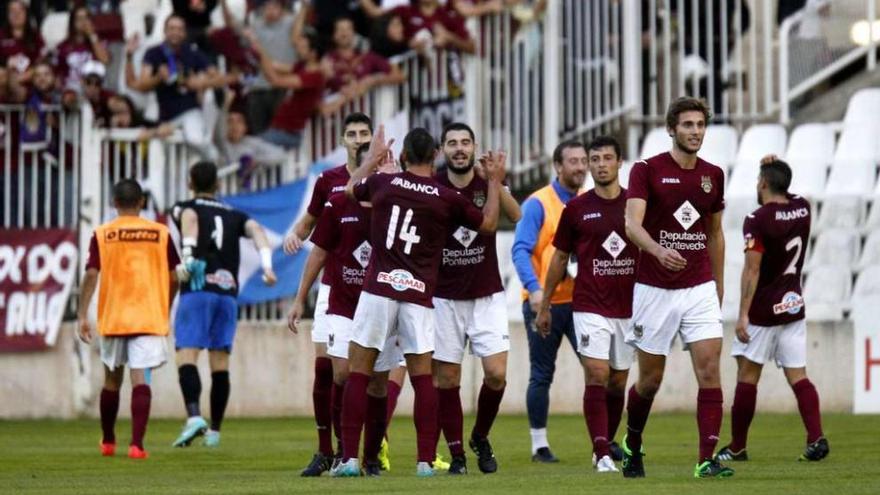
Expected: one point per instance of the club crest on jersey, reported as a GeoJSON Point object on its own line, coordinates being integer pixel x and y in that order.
{"type": "Point", "coordinates": [464, 236]}
{"type": "Point", "coordinates": [401, 280]}
{"type": "Point", "coordinates": [614, 244]}
{"type": "Point", "coordinates": [362, 254]}
{"type": "Point", "coordinates": [792, 302]}
{"type": "Point", "coordinates": [706, 183]}
{"type": "Point", "coordinates": [222, 279]}
{"type": "Point", "coordinates": [585, 341]}
{"type": "Point", "coordinates": [479, 199]}
{"type": "Point", "coordinates": [686, 215]}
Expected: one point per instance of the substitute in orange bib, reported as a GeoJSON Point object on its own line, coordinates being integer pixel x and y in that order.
{"type": "Point", "coordinates": [135, 261]}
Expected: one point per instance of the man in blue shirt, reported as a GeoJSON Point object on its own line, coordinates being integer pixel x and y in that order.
{"type": "Point", "coordinates": [532, 251]}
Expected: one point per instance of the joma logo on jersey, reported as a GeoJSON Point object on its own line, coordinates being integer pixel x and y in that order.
{"type": "Point", "coordinates": [670, 180]}
{"type": "Point", "coordinates": [592, 216]}
{"type": "Point", "coordinates": [132, 235]}
{"type": "Point", "coordinates": [400, 280]}
{"type": "Point", "coordinates": [337, 189]}
{"type": "Point", "coordinates": [792, 302]}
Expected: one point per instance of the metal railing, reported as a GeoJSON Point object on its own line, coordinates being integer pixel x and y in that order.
{"type": "Point", "coordinates": [39, 171]}
{"type": "Point", "coordinates": [811, 51]}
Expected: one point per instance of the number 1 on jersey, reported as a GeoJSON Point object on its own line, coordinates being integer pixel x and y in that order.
{"type": "Point", "coordinates": [407, 232]}
{"type": "Point", "coordinates": [217, 234]}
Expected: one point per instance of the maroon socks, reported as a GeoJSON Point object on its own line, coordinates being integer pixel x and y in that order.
{"type": "Point", "coordinates": [596, 414]}
{"type": "Point", "coordinates": [321, 393]}
{"type": "Point", "coordinates": [109, 409]}
{"type": "Point", "coordinates": [709, 413]}
{"type": "Point", "coordinates": [140, 413]}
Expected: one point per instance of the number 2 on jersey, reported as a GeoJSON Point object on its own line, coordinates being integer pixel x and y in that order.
{"type": "Point", "coordinates": [797, 244]}
{"type": "Point", "coordinates": [407, 232]}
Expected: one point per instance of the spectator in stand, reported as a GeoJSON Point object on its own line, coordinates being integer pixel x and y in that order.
{"type": "Point", "coordinates": [248, 152]}
{"type": "Point", "coordinates": [92, 81]}
{"type": "Point", "coordinates": [323, 13]}
{"type": "Point", "coordinates": [387, 39]}
{"type": "Point", "coordinates": [81, 46]}
{"type": "Point", "coordinates": [124, 115]}
{"type": "Point", "coordinates": [275, 28]}
{"type": "Point", "coordinates": [40, 88]}
{"type": "Point", "coordinates": [306, 81]}
{"type": "Point", "coordinates": [426, 23]}
{"type": "Point", "coordinates": [196, 14]}
{"type": "Point", "coordinates": [350, 72]}
{"type": "Point", "coordinates": [178, 73]}
{"type": "Point", "coordinates": [21, 45]}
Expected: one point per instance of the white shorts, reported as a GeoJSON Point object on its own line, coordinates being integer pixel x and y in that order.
{"type": "Point", "coordinates": [659, 315]}
{"type": "Point", "coordinates": [340, 336]}
{"type": "Point", "coordinates": [377, 318]}
{"type": "Point", "coordinates": [785, 344]}
{"type": "Point", "coordinates": [320, 329]}
{"type": "Point", "coordinates": [603, 338]}
{"type": "Point", "coordinates": [482, 321]}
{"type": "Point", "coordinates": [138, 352]}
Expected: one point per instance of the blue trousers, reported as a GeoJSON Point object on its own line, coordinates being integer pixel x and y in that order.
{"type": "Point", "coordinates": [542, 358]}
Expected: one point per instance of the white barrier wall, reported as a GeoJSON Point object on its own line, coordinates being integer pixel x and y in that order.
{"type": "Point", "coordinates": [272, 376]}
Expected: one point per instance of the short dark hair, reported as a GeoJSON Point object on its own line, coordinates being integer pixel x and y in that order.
{"type": "Point", "coordinates": [686, 104]}
{"type": "Point", "coordinates": [456, 126]}
{"type": "Point", "coordinates": [357, 118]}
{"type": "Point", "coordinates": [173, 16]}
{"type": "Point", "coordinates": [777, 174]}
{"type": "Point", "coordinates": [314, 44]}
{"type": "Point", "coordinates": [203, 177]}
{"type": "Point", "coordinates": [127, 193]}
{"type": "Point", "coordinates": [603, 141]}
{"type": "Point", "coordinates": [360, 153]}
{"type": "Point", "coordinates": [419, 147]}
{"type": "Point", "coordinates": [568, 143]}
{"type": "Point", "coordinates": [341, 19]}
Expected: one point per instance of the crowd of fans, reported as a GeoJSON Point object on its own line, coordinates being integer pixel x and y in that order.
{"type": "Point", "coordinates": [284, 62]}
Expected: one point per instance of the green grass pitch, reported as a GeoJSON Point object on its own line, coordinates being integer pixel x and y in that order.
{"type": "Point", "coordinates": [266, 455]}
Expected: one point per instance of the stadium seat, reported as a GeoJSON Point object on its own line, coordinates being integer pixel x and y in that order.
{"type": "Point", "coordinates": [733, 246]}
{"type": "Point", "coordinates": [836, 247]}
{"type": "Point", "coordinates": [54, 29]}
{"type": "Point", "coordinates": [133, 14]}
{"type": "Point", "coordinates": [810, 152]}
{"type": "Point", "coordinates": [872, 222]}
{"type": "Point", "coordinates": [238, 9]}
{"type": "Point", "coordinates": [868, 283]}
{"type": "Point", "coordinates": [858, 143]}
{"type": "Point", "coordinates": [758, 141]}
{"type": "Point", "coordinates": [720, 146]}
{"type": "Point", "coordinates": [732, 280]}
{"type": "Point", "coordinates": [736, 209]}
{"type": "Point", "coordinates": [846, 195]}
{"type": "Point", "coordinates": [657, 141]}
{"type": "Point", "coordinates": [827, 293]}
{"type": "Point", "coordinates": [871, 251]}
{"type": "Point", "coordinates": [864, 106]}
{"type": "Point", "coordinates": [623, 175]}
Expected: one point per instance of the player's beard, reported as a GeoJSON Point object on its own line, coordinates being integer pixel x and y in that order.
{"type": "Point", "coordinates": [460, 170]}
{"type": "Point", "coordinates": [683, 145]}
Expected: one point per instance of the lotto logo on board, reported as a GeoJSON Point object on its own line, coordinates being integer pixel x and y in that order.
{"type": "Point", "coordinates": [792, 302]}
{"type": "Point", "coordinates": [400, 280]}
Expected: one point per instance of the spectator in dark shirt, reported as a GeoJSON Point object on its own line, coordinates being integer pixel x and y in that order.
{"type": "Point", "coordinates": [352, 73]}
{"type": "Point", "coordinates": [197, 16]}
{"type": "Point", "coordinates": [124, 115]}
{"type": "Point", "coordinates": [21, 45]}
{"type": "Point", "coordinates": [81, 46]}
{"type": "Point", "coordinates": [387, 38]}
{"type": "Point", "coordinates": [178, 73]}
{"type": "Point", "coordinates": [323, 13]}
{"type": "Point", "coordinates": [306, 81]}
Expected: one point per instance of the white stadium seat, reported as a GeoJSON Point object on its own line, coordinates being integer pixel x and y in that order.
{"type": "Point", "coordinates": [810, 152]}
{"type": "Point", "coordinates": [54, 29]}
{"type": "Point", "coordinates": [827, 293]}
{"type": "Point", "coordinates": [868, 283]}
{"type": "Point", "coordinates": [758, 141]}
{"type": "Point", "coordinates": [864, 106]}
{"type": "Point", "coordinates": [846, 195]}
{"type": "Point", "coordinates": [836, 247]}
{"type": "Point", "coordinates": [858, 143]}
{"type": "Point", "coordinates": [730, 303]}
{"type": "Point", "coordinates": [871, 251]}
{"type": "Point", "coordinates": [872, 222]}
{"type": "Point", "coordinates": [657, 141]}
{"type": "Point", "coordinates": [734, 244]}
{"type": "Point", "coordinates": [720, 146]}
{"type": "Point", "coordinates": [736, 209]}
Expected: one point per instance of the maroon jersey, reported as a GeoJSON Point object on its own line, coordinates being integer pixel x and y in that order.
{"type": "Point", "coordinates": [330, 182]}
{"type": "Point", "coordinates": [779, 231]}
{"type": "Point", "coordinates": [680, 202]}
{"type": "Point", "coordinates": [351, 69]}
{"type": "Point", "coordinates": [593, 229]}
{"type": "Point", "coordinates": [343, 230]}
{"type": "Point", "coordinates": [469, 268]}
{"type": "Point", "coordinates": [71, 58]}
{"type": "Point", "coordinates": [294, 112]}
{"type": "Point", "coordinates": [410, 220]}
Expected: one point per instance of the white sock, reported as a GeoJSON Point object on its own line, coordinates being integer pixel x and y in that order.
{"type": "Point", "coordinates": [539, 438]}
